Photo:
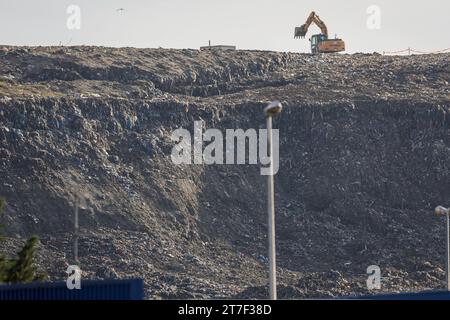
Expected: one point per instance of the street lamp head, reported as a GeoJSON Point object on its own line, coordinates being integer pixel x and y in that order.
{"type": "Point", "coordinates": [273, 108]}
{"type": "Point", "coordinates": [441, 211]}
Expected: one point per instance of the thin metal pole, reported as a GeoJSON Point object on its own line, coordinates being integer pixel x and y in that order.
{"type": "Point", "coordinates": [271, 216]}
{"type": "Point", "coordinates": [447, 255]}
{"type": "Point", "coordinates": [75, 234]}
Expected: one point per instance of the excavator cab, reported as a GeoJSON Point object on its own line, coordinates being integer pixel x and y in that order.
{"type": "Point", "coordinates": [315, 41]}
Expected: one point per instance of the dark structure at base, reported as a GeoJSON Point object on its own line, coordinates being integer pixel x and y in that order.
{"type": "Point", "coordinates": [128, 289]}
{"type": "Point", "coordinates": [426, 295]}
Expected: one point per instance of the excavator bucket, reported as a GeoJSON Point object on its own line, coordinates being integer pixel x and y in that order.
{"type": "Point", "coordinates": [300, 32]}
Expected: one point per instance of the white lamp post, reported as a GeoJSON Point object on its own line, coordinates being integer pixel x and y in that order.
{"type": "Point", "coordinates": [441, 211]}
{"type": "Point", "coordinates": [75, 233]}
{"type": "Point", "coordinates": [271, 110]}
{"type": "Point", "coordinates": [80, 202]}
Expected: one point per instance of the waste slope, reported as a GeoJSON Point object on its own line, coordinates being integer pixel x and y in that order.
{"type": "Point", "coordinates": [364, 159]}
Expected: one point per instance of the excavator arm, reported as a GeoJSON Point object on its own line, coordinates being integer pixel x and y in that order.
{"type": "Point", "coordinates": [300, 32]}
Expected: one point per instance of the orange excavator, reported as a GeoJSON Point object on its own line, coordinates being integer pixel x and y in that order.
{"type": "Point", "coordinates": [319, 42]}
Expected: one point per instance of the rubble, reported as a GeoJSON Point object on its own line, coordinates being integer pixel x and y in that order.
{"type": "Point", "coordinates": [364, 158]}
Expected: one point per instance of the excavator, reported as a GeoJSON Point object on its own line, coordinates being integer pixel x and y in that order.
{"type": "Point", "coordinates": [319, 42]}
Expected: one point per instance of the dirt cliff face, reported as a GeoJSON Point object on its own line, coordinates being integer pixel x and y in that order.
{"type": "Point", "coordinates": [364, 159]}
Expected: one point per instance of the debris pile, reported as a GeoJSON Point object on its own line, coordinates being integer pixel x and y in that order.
{"type": "Point", "coordinates": [364, 158]}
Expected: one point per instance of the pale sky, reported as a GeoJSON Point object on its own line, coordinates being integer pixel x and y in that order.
{"type": "Point", "coordinates": [248, 24]}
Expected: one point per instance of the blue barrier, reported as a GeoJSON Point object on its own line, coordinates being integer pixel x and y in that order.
{"type": "Point", "coordinates": [126, 289]}
{"type": "Point", "coordinates": [426, 295]}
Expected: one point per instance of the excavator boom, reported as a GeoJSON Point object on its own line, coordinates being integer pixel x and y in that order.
{"type": "Point", "coordinates": [300, 32]}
